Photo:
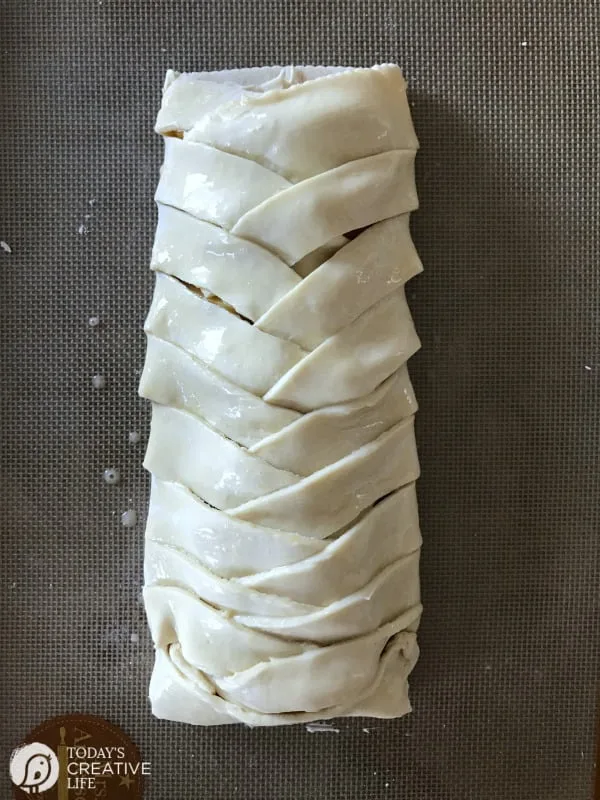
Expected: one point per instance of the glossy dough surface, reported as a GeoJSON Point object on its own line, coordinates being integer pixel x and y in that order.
{"type": "Point", "coordinates": [282, 540]}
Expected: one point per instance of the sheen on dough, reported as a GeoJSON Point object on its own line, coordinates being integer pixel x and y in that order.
{"type": "Point", "coordinates": [282, 539]}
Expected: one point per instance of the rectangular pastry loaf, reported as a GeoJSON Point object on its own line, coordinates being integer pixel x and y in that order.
{"type": "Point", "coordinates": [282, 540]}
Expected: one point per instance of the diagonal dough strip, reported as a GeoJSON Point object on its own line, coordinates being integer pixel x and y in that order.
{"type": "Point", "coordinates": [173, 377]}
{"type": "Point", "coordinates": [250, 358]}
{"type": "Point", "coordinates": [183, 449]}
{"type": "Point", "coordinates": [334, 496]}
{"type": "Point", "coordinates": [327, 434]}
{"type": "Point", "coordinates": [211, 185]}
{"type": "Point", "coordinates": [169, 566]}
{"type": "Point", "coordinates": [381, 259]}
{"type": "Point", "coordinates": [387, 533]}
{"type": "Point", "coordinates": [297, 220]}
{"type": "Point", "coordinates": [355, 360]}
{"type": "Point", "coordinates": [211, 639]}
{"type": "Point", "coordinates": [226, 546]}
{"type": "Point", "coordinates": [393, 591]}
{"type": "Point", "coordinates": [243, 274]}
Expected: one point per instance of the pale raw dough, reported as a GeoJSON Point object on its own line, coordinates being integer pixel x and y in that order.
{"type": "Point", "coordinates": [282, 540]}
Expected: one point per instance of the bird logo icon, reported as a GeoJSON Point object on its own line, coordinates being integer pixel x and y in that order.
{"type": "Point", "coordinates": [34, 768]}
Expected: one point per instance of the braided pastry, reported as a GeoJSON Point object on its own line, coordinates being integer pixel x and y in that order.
{"type": "Point", "coordinates": [282, 541]}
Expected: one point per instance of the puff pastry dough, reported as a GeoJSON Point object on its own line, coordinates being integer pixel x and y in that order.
{"type": "Point", "coordinates": [282, 540]}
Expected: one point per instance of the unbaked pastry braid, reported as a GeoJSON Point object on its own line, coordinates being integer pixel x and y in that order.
{"type": "Point", "coordinates": [282, 541]}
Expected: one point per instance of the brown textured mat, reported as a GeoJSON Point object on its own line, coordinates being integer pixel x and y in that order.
{"type": "Point", "coordinates": [505, 104]}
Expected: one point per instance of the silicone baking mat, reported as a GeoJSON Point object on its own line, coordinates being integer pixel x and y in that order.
{"type": "Point", "coordinates": [504, 96]}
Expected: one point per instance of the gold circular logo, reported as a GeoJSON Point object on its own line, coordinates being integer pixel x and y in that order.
{"type": "Point", "coordinates": [77, 757]}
